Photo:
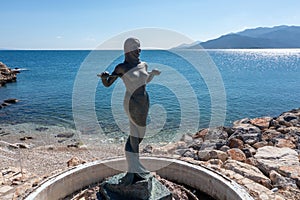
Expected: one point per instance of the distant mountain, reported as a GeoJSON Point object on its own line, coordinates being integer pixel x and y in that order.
{"type": "Point", "coordinates": [186, 46]}
{"type": "Point", "coordinates": [262, 37]}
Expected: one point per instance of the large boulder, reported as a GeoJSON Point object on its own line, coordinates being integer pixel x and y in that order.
{"type": "Point", "coordinates": [272, 158]}
{"type": "Point", "coordinates": [248, 171]}
{"type": "Point", "coordinates": [262, 122]}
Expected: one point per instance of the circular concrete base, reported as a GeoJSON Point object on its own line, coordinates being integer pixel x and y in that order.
{"type": "Point", "coordinates": [200, 178]}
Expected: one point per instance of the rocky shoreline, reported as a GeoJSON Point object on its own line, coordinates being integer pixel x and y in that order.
{"type": "Point", "coordinates": [261, 154]}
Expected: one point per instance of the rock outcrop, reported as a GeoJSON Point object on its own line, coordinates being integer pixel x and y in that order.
{"type": "Point", "coordinates": [7, 75]}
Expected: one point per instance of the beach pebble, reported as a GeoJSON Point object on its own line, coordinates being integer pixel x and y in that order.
{"type": "Point", "coordinates": [41, 129]}
{"type": "Point", "coordinates": [75, 161]}
{"type": "Point", "coordinates": [65, 135]}
{"type": "Point", "coordinates": [26, 138]}
{"type": "Point", "coordinates": [22, 145]}
{"type": "Point", "coordinates": [147, 149]}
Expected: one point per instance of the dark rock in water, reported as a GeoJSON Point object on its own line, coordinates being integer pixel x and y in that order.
{"type": "Point", "coordinates": [5, 104]}
{"type": "Point", "coordinates": [150, 189]}
{"type": "Point", "coordinates": [11, 101]}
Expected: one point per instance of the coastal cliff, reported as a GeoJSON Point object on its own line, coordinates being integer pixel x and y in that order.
{"type": "Point", "coordinates": [7, 75]}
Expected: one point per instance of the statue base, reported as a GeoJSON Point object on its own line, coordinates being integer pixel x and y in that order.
{"type": "Point", "coordinates": [149, 189]}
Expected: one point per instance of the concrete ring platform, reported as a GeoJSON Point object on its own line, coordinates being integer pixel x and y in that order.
{"type": "Point", "coordinates": [200, 178]}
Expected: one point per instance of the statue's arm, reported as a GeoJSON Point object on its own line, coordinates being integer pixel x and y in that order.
{"type": "Point", "coordinates": [109, 79]}
{"type": "Point", "coordinates": [154, 72]}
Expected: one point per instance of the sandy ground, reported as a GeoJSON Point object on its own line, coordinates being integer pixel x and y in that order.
{"type": "Point", "coordinates": [41, 159]}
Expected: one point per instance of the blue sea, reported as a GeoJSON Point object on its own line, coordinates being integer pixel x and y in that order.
{"type": "Point", "coordinates": [60, 88]}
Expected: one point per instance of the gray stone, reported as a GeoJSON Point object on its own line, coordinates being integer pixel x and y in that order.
{"type": "Point", "coordinates": [289, 116]}
{"type": "Point", "coordinates": [272, 158]}
{"type": "Point", "coordinates": [169, 148]}
{"type": "Point", "coordinates": [208, 145]}
{"type": "Point", "coordinates": [150, 189]}
{"type": "Point", "coordinates": [224, 148]}
{"type": "Point", "coordinates": [280, 181]}
{"type": "Point", "coordinates": [269, 134]}
{"type": "Point", "coordinates": [248, 171]}
{"type": "Point", "coordinates": [187, 153]}
{"type": "Point", "coordinates": [241, 122]}
{"type": "Point", "coordinates": [6, 188]}
{"type": "Point", "coordinates": [216, 134]}
{"type": "Point", "coordinates": [206, 155]}
{"type": "Point", "coordinates": [196, 144]}
{"type": "Point", "coordinates": [213, 144]}
{"type": "Point", "coordinates": [247, 152]}
{"type": "Point", "coordinates": [256, 190]}
{"type": "Point", "coordinates": [248, 133]}
{"type": "Point", "coordinates": [187, 138]}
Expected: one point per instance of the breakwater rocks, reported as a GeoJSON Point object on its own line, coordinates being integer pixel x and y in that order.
{"type": "Point", "coordinates": [7, 75]}
{"type": "Point", "coordinates": [262, 154]}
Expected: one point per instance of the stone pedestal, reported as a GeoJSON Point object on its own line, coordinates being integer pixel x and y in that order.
{"type": "Point", "coordinates": [150, 189]}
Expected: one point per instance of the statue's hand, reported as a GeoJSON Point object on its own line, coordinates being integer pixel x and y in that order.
{"type": "Point", "coordinates": [155, 72]}
{"type": "Point", "coordinates": [103, 75]}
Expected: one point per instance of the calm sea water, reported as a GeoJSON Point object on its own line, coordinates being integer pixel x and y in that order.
{"type": "Point", "coordinates": [256, 82]}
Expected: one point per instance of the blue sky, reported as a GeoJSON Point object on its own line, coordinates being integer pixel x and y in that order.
{"type": "Point", "coordinates": [84, 24]}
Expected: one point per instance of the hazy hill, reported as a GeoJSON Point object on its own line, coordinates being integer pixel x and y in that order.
{"type": "Point", "coordinates": [262, 37]}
